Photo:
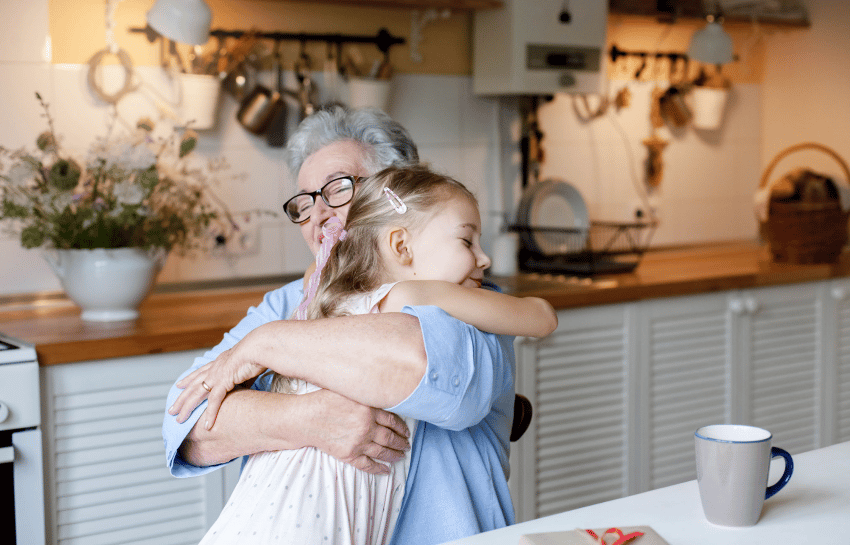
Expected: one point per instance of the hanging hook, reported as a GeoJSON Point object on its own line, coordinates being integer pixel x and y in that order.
{"type": "Point", "coordinates": [565, 16]}
{"type": "Point", "coordinates": [642, 66]}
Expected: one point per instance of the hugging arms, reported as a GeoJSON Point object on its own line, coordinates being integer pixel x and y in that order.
{"type": "Point", "coordinates": [385, 358]}
{"type": "Point", "coordinates": [356, 374]}
{"type": "Point", "coordinates": [420, 363]}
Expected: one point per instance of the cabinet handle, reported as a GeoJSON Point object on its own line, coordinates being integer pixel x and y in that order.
{"type": "Point", "coordinates": [839, 293]}
{"type": "Point", "coordinates": [736, 306]}
{"type": "Point", "coordinates": [752, 305]}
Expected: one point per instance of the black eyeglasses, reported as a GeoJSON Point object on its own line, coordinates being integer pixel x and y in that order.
{"type": "Point", "coordinates": [338, 192]}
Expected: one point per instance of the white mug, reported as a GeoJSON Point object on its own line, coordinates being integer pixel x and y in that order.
{"type": "Point", "coordinates": [733, 462]}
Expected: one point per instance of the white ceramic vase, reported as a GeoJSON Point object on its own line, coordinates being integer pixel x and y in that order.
{"type": "Point", "coordinates": [108, 284]}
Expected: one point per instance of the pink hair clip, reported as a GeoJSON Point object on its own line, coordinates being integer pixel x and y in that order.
{"type": "Point", "coordinates": [397, 203]}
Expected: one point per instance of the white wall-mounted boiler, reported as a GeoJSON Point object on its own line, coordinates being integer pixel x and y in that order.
{"type": "Point", "coordinates": [540, 47]}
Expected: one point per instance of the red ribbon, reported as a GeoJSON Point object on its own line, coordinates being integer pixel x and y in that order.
{"type": "Point", "coordinates": [621, 538]}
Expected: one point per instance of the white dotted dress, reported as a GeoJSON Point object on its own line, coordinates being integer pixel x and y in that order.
{"type": "Point", "coordinates": [307, 496]}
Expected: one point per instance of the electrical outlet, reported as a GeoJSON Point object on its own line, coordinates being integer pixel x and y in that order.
{"type": "Point", "coordinates": [243, 240]}
{"type": "Point", "coordinates": [646, 210]}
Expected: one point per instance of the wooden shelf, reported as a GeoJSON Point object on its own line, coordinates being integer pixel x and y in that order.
{"type": "Point", "coordinates": [693, 9]}
{"type": "Point", "coordinates": [458, 5]}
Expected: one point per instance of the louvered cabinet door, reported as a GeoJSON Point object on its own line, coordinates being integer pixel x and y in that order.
{"type": "Point", "coordinates": [837, 376]}
{"type": "Point", "coordinates": [575, 451]}
{"type": "Point", "coordinates": [106, 476]}
{"type": "Point", "coordinates": [779, 362]}
{"type": "Point", "coordinates": [683, 380]}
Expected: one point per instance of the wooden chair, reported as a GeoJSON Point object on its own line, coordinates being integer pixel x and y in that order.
{"type": "Point", "coordinates": [522, 417]}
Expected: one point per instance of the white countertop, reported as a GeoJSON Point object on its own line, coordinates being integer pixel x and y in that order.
{"type": "Point", "coordinates": [813, 508]}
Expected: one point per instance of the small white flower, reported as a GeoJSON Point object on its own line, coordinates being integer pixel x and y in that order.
{"type": "Point", "coordinates": [140, 157]}
{"type": "Point", "coordinates": [63, 200]}
{"type": "Point", "coordinates": [22, 175]}
{"type": "Point", "coordinates": [128, 193]}
{"type": "Point", "coordinates": [18, 198]}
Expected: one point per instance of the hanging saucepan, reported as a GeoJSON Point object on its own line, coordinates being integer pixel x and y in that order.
{"type": "Point", "coordinates": [258, 108]}
{"type": "Point", "coordinates": [262, 105]}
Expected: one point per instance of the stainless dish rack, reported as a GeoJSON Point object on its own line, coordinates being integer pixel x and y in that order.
{"type": "Point", "coordinates": [605, 247]}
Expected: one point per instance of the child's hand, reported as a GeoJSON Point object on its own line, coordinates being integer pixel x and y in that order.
{"type": "Point", "coordinates": [212, 382]}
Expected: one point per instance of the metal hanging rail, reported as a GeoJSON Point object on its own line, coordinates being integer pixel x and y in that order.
{"type": "Point", "coordinates": [383, 40]}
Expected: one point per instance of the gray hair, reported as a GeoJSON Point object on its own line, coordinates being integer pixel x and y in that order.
{"type": "Point", "coordinates": [384, 140]}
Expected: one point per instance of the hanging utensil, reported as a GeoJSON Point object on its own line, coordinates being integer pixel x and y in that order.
{"type": "Point", "coordinates": [306, 88]}
{"type": "Point", "coordinates": [385, 69]}
{"type": "Point", "coordinates": [176, 57]}
{"type": "Point", "coordinates": [239, 81]}
{"type": "Point", "coordinates": [276, 131]}
{"type": "Point", "coordinates": [258, 107]}
{"type": "Point", "coordinates": [672, 101]}
{"type": "Point", "coordinates": [331, 72]}
{"type": "Point", "coordinates": [241, 66]}
{"type": "Point", "coordinates": [215, 60]}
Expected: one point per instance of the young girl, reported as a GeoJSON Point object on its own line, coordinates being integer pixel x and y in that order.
{"type": "Point", "coordinates": [412, 237]}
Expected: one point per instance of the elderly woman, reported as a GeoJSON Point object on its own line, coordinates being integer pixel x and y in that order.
{"type": "Point", "coordinates": [423, 364]}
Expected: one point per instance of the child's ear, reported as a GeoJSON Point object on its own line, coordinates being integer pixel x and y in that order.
{"type": "Point", "coordinates": [399, 239]}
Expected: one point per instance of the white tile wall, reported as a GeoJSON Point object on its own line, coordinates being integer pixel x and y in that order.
{"type": "Point", "coordinates": [706, 193]}
{"type": "Point", "coordinates": [25, 36]}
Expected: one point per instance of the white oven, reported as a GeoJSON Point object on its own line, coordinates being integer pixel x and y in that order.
{"type": "Point", "coordinates": [21, 468]}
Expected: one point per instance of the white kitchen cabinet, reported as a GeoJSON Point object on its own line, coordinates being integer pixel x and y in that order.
{"type": "Point", "coordinates": [619, 390]}
{"type": "Point", "coordinates": [777, 361]}
{"type": "Point", "coordinates": [683, 377]}
{"type": "Point", "coordinates": [576, 450]}
{"type": "Point", "coordinates": [836, 376]}
{"type": "Point", "coordinates": [106, 479]}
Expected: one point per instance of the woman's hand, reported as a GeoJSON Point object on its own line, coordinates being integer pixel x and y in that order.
{"type": "Point", "coordinates": [212, 382]}
{"type": "Point", "coordinates": [354, 434]}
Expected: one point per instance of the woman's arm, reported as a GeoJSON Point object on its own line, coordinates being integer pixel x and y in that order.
{"type": "Point", "coordinates": [484, 309]}
{"type": "Point", "coordinates": [298, 420]}
{"type": "Point", "coordinates": [350, 432]}
{"type": "Point", "coordinates": [375, 359]}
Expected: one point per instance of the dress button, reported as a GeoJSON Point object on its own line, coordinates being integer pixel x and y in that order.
{"type": "Point", "coordinates": [456, 381]}
{"type": "Point", "coordinates": [434, 375]}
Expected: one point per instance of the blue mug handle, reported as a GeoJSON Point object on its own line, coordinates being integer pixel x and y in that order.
{"type": "Point", "coordinates": [786, 476]}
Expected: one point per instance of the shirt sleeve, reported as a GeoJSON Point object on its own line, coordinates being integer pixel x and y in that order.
{"type": "Point", "coordinates": [276, 305]}
{"type": "Point", "coordinates": [468, 371]}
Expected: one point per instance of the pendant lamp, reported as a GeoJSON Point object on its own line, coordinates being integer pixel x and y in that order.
{"type": "Point", "coordinates": [184, 21]}
{"type": "Point", "coordinates": [711, 44]}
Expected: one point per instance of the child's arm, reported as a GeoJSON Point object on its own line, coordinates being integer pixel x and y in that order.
{"type": "Point", "coordinates": [485, 309]}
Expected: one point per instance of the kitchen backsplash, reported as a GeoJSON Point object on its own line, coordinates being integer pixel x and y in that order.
{"type": "Point", "coordinates": [706, 192]}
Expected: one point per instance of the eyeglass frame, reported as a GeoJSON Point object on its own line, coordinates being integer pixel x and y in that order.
{"type": "Point", "coordinates": [320, 193]}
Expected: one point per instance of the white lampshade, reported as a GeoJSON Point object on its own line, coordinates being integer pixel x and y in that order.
{"type": "Point", "coordinates": [184, 21]}
{"type": "Point", "coordinates": [711, 45]}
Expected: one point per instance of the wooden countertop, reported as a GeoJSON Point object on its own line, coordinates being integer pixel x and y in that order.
{"type": "Point", "coordinates": [171, 322]}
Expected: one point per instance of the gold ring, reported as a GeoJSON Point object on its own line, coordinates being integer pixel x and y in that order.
{"type": "Point", "coordinates": [206, 386]}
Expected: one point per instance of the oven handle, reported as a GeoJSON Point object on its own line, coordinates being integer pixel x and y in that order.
{"type": "Point", "coordinates": [7, 455]}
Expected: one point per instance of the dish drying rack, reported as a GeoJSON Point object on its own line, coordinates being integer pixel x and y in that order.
{"type": "Point", "coordinates": [606, 247]}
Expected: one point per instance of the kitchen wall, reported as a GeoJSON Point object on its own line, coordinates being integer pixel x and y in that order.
{"type": "Point", "coordinates": [705, 195]}
{"type": "Point", "coordinates": [806, 89]}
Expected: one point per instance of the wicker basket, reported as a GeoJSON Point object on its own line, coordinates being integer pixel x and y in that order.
{"type": "Point", "coordinates": [805, 232]}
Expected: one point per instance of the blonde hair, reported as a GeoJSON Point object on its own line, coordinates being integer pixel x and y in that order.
{"type": "Point", "coordinates": [354, 265]}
